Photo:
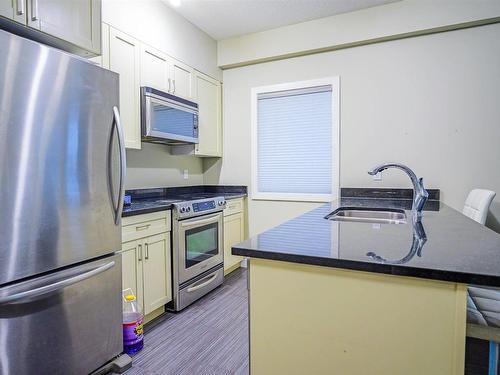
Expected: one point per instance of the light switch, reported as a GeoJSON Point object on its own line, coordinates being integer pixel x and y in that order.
{"type": "Point", "coordinates": [186, 174]}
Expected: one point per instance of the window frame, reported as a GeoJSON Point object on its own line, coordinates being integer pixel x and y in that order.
{"type": "Point", "coordinates": [334, 82]}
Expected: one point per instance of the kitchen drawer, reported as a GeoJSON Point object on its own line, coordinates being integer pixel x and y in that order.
{"type": "Point", "coordinates": [139, 226]}
{"type": "Point", "coordinates": [233, 206]}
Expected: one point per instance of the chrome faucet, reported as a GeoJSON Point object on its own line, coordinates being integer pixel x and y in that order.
{"type": "Point", "coordinates": [420, 195]}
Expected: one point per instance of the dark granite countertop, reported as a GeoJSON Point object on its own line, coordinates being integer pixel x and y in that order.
{"type": "Point", "coordinates": [449, 246]}
{"type": "Point", "coordinates": [158, 199]}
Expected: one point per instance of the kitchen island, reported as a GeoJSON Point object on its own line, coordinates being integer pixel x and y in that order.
{"type": "Point", "coordinates": [365, 298]}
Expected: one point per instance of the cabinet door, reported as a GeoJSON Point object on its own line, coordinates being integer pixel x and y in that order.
{"type": "Point", "coordinates": [103, 59]}
{"type": "Point", "coordinates": [124, 55]}
{"type": "Point", "coordinates": [208, 94]}
{"type": "Point", "coordinates": [234, 227]}
{"type": "Point", "coordinates": [132, 260]}
{"type": "Point", "coordinates": [156, 279]}
{"type": "Point", "coordinates": [14, 10]}
{"type": "Point", "coordinates": [75, 21]}
{"type": "Point", "coordinates": [154, 68]}
{"type": "Point", "coordinates": [181, 76]}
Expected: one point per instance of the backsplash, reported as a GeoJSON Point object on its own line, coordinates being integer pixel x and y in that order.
{"type": "Point", "coordinates": [153, 166]}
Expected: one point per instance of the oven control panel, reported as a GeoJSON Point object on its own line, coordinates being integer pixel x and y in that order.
{"type": "Point", "coordinates": [203, 206]}
{"type": "Point", "coordinates": [199, 207]}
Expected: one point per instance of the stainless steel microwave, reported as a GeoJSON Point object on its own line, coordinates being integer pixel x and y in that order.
{"type": "Point", "coordinates": [168, 119]}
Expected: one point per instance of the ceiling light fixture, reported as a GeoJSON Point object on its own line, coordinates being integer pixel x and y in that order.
{"type": "Point", "coordinates": [175, 3]}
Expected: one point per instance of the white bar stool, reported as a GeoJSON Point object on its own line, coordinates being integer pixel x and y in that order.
{"type": "Point", "coordinates": [483, 304]}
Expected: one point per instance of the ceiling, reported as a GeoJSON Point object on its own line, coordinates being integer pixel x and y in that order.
{"type": "Point", "coordinates": [222, 19]}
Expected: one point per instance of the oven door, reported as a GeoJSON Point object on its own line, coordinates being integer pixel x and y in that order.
{"type": "Point", "coordinates": [200, 245]}
{"type": "Point", "coordinates": [168, 119]}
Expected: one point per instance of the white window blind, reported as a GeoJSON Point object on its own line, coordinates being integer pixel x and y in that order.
{"type": "Point", "coordinates": [294, 141]}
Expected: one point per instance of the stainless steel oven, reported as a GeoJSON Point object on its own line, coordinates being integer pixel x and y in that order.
{"type": "Point", "coordinates": [168, 119]}
{"type": "Point", "coordinates": [198, 249]}
{"type": "Point", "coordinates": [199, 245]}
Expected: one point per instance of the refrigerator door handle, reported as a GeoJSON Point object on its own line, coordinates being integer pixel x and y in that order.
{"type": "Point", "coordinates": [123, 164]}
{"type": "Point", "coordinates": [40, 291]}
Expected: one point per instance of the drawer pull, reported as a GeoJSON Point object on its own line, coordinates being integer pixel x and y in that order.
{"type": "Point", "coordinates": [208, 279]}
{"type": "Point", "coordinates": [143, 227]}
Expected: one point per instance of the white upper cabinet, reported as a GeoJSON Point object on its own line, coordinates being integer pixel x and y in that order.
{"type": "Point", "coordinates": [154, 68]}
{"type": "Point", "coordinates": [124, 58]}
{"type": "Point", "coordinates": [208, 96]}
{"type": "Point", "coordinates": [103, 60]}
{"type": "Point", "coordinates": [139, 64]}
{"type": "Point", "coordinates": [14, 10]}
{"type": "Point", "coordinates": [181, 76]}
{"type": "Point", "coordinates": [75, 21]}
{"type": "Point", "coordinates": [74, 26]}
{"type": "Point", "coordinates": [164, 73]}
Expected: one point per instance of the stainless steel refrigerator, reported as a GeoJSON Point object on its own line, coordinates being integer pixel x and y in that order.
{"type": "Point", "coordinates": [62, 162]}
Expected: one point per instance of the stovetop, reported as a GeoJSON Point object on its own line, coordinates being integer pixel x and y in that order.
{"type": "Point", "coordinates": [151, 200]}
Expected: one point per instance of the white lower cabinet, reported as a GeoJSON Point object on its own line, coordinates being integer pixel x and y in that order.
{"type": "Point", "coordinates": [157, 287]}
{"type": "Point", "coordinates": [234, 232]}
{"type": "Point", "coordinates": [146, 261]}
{"type": "Point", "coordinates": [132, 268]}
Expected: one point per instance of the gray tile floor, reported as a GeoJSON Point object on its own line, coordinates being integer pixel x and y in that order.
{"type": "Point", "coordinates": [209, 337]}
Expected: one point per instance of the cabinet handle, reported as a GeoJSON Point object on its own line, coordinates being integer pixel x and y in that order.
{"type": "Point", "coordinates": [147, 251]}
{"type": "Point", "coordinates": [174, 85]}
{"type": "Point", "coordinates": [20, 7]}
{"type": "Point", "coordinates": [140, 253]}
{"type": "Point", "coordinates": [34, 10]}
{"type": "Point", "coordinates": [142, 227]}
{"type": "Point", "coordinates": [169, 85]}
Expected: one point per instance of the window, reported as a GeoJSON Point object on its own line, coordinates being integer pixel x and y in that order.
{"type": "Point", "coordinates": [295, 141]}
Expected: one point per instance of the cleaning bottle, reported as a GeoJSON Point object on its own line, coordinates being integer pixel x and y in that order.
{"type": "Point", "coordinates": [133, 321]}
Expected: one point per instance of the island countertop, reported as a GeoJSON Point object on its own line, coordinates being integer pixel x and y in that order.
{"type": "Point", "coordinates": [455, 248]}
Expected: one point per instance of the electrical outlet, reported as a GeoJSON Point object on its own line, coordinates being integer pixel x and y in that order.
{"type": "Point", "coordinates": [186, 174]}
{"type": "Point", "coordinates": [377, 177]}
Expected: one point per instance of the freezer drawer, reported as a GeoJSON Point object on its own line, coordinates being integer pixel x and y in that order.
{"type": "Point", "coordinates": [66, 322]}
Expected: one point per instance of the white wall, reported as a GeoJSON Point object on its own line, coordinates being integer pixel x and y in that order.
{"type": "Point", "coordinates": [153, 166]}
{"type": "Point", "coordinates": [401, 18]}
{"type": "Point", "coordinates": [431, 102]}
{"type": "Point", "coordinates": [153, 22]}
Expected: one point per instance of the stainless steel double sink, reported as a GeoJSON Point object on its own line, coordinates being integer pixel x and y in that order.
{"type": "Point", "coordinates": [368, 215]}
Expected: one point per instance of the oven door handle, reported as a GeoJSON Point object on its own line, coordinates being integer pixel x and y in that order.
{"type": "Point", "coordinates": [203, 284]}
{"type": "Point", "coordinates": [197, 221]}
